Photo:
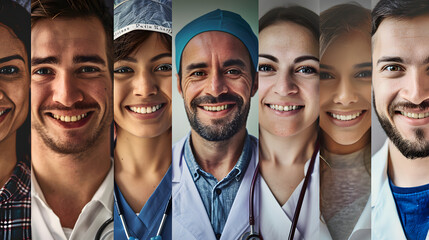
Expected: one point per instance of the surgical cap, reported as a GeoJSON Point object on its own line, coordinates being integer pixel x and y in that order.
{"type": "Point", "coordinates": [148, 15]}
{"type": "Point", "coordinates": [218, 20]}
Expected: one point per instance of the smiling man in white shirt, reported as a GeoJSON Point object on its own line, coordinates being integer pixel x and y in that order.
{"type": "Point", "coordinates": [71, 113]}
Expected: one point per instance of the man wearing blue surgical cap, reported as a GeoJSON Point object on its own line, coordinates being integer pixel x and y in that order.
{"type": "Point", "coordinates": [213, 166]}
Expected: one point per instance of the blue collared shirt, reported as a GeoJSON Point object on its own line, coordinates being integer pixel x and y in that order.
{"type": "Point", "coordinates": [218, 196]}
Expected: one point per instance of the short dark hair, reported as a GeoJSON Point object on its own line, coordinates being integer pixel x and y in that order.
{"type": "Point", "coordinates": [399, 9]}
{"type": "Point", "coordinates": [296, 14]}
{"type": "Point", "coordinates": [129, 42]}
{"type": "Point", "coordinates": [340, 19]}
{"type": "Point", "coordinates": [51, 9]}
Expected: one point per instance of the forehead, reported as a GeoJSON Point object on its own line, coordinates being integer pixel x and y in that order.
{"type": "Point", "coordinates": [352, 47]}
{"type": "Point", "coordinates": [295, 39]}
{"type": "Point", "coordinates": [62, 36]}
{"type": "Point", "coordinates": [220, 45]}
{"type": "Point", "coordinates": [407, 38]}
{"type": "Point", "coordinates": [9, 43]}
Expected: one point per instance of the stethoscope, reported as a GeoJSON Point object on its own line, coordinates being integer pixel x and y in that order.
{"type": "Point", "coordinates": [253, 235]}
{"type": "Point", "coordinates": [161, 225]}
{"type": "Point", "coordinates": [102, 228]}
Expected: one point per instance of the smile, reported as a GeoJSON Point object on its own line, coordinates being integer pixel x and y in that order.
{"type": "Point", "coordinates": [4, 111]}
{"type": "Point", "coordinates": [146, 110]}
{"type": "Point", "coordinates": [415, 115]}
{"type": "Point", "coordinates": [69, 118]}
{"type": "Point", "coordinates": [285, 108]}
{"type": "Point", "coordinates": [347, 117]}
{"type": "Point", "coordinates": [215, 108]}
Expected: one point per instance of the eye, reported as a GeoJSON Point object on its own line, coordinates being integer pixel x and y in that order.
{"type": "Point", "coordinates": [233, 71]}
{"type": "Point", "coordinates": [325, 75]}
{"type": "Point", "coordinates": [364, 74]}
{"type": "Point", "coordinates": [306, 70]}
{"type": "Point", "coordinates": [198, 74]}
{"type": "Point", "coordinates": [88, 69]}
{"type": "Point", "coordinates": [123, 70]}
{"type": "Point", "coordinates": [393, 68]}
{"type": "Point", "coordinates": [164, 67]}
{"type": "Point", "coordinates": [9, 70]}
{"type": "Point", "coordinates": [266, 68]}
{"type": "Point", "coordinates": [43, 71]}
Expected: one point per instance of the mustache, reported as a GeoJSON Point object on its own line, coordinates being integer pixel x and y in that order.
{"type": "Point", "coordinates": [408, 105]}
{"type": "Point", "coordinates": [78, 105]}
{"type": "Point", "coordinates": [226, 97]}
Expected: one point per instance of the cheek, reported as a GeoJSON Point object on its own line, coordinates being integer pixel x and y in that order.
{"type": "Point", "coordinates": [310, 93]}
{"type": "Point", "coordinates": [264, 88]}
{"type": "Point", "coordinates": [165, 87]}
{"type": "Point", "coordinates": [325, 96]}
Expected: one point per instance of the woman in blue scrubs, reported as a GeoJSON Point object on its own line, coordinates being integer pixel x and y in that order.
{"type": "Point", "coordinates": [142, 114]}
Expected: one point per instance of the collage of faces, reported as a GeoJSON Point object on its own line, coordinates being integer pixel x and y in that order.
{"type": "Point", "coordinates": [230, 120]}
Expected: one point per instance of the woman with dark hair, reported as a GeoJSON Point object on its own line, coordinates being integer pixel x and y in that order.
{"type": "Point", "coordinates": [15, 218]}
{"type": "Point", "coordinates": [345, 122]}
{"type": "Point", "coordinates": [288, 126]}
{"type": "Point", "coordinates": [142, 114]}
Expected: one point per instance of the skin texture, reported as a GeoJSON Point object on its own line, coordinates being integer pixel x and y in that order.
{"type": "Point", "coordinates": [142, 155]}
{"type": "Point", "coordinates": [216, 70]}
{"type": "Point", "coordinates": [345, 88]}
{"type": "Point", "coordinates": [70, 76]}
{"type": "Point", "coordinates": [401, 84]}
{"type": "Point", "coordinates": [14, 95]}
{"type": "Point", "coordinates": [289, 75]}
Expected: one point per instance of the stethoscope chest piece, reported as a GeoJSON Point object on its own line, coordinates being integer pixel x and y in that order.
{"type": "Point", "coordinates": [250, 236]}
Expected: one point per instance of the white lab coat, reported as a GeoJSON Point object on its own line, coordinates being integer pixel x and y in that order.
{"type": "Point", "coordinates": [361, 231]}
{"type": "Point", "coordinates": [189, 218]}
{"type": "Point", "coordinates": [386, 223]}
{"type": "Point", "coordinates": [276, 220]}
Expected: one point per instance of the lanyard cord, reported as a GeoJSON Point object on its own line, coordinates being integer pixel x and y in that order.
{"type": "Point", "coordinates": [303, 190]}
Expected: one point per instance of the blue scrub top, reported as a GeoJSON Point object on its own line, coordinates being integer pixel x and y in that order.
{"type": "Point", "coordinates": [146, 224]}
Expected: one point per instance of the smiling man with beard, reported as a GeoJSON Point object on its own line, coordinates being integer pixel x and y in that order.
{"type": "Point", "coordinates": [216, 57]}
{"type": "Point", "coordinates": [400, 179]}
{"type": "Point", "coordinates": [71, 114]}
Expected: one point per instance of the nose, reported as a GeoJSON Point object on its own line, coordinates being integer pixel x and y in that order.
{"type": "Point", "coordinates": [67, 90]}
{"type": "Point", "coordinates": [286, 85]}
{"type": "Point", "coordinates": [345, 92]}
{"type": "Point", "coordinates": [416, 87]}
{"type": "Point", "coordinates": [145, 85]}
{"type": "Point", "coordinates": [216, 84]}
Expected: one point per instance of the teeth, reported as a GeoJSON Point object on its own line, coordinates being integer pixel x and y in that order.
{"type": "Point", "coordinates": [283, 108]}
{"type": "Point", "coordinates": [69, 118]}
{"type": "Point", "coordinates": [3, 112]}
{"type": "Point", "coordinates": [415, 115]}
{"type": "Point", "coordinates": [345, 117]}
{"type": "Point", "coordinates": [144, 110]}
{"type": "Point", "coordinates": [215, 108]}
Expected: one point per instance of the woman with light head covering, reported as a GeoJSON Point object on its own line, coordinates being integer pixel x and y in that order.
{"type": "Point", "coordinates": [288, 126]}
{"type": "Point", "coordinates": [142, 114]}
{"type": "Point", "coordinates": [345, 122]}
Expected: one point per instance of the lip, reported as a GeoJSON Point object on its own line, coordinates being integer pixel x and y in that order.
{"type": "Point", "coordinates": [279, 108]}
{"type": "Point", "coordinates": [68, 115]}
{"type": "Point", "coordinates": [346, 123]}
{"type": "Point", "coordinates": [413, 121]}
{"type": "Point", "coordinates": [5, 111]}
{"type": "Point", "coordinates": [212, 109]}
{"type": "Point", "coordinates": [144, 116]}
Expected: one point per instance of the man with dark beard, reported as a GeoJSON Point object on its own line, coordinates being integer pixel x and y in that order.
{"type": "Point", "coordinates": [400, 170]}
{"type": "Point", "coordinates": [216, 58]}
{"type": "Point", "coordinates": [71, 114]}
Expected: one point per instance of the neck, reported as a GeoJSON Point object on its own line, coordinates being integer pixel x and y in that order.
{"type": "Point", "coordinates": [299, 148]}
{"type": "Point", "coordinates": [136, 155]}
{"type": "Point", "coordinates": [218, 158]}
{"type": "Point", "coordinates": [337, 148]}
{"type": "Point", "coordinates": [69, 181]}
{"type": "Point", "coordinates": [7, 158]}
{"type": "Point", "coordinates": [406, 172]}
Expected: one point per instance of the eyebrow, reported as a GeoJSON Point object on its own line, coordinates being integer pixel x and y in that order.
{"type": "Point", "coordinates": [159, 56]}
{"type": "Point", "coordinates": [193, 66]}
{"type": "Point", "coordinates": [390, 59]}
{"type": "Point", "coordinates": [234, 62]}
{"type": "Point", "coordinates": [12, 57]}
{"type": "Point", "coordinates": [88, 58]}
{"type": "Point", "coordinates": [326, 66]}
{"type": "Point", "coordinates": [49, 60]}
{"type": "Point", "coordinates": [271, 57]}
{"type": "Point", "coordinates": [363, 65]}
{"type": "Point", "coordinates": [304, 58]}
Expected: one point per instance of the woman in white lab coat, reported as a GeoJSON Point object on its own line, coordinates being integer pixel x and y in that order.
{"type": "Point", "coordinates": [345, 122]}
{"type": "Point", "coordinates": [288, 113]}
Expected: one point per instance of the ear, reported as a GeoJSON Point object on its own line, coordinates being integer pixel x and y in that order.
{"type": "Point", "coordinates": [179, 87]}
{"type": "Point", "coordinates": [255, 84]}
